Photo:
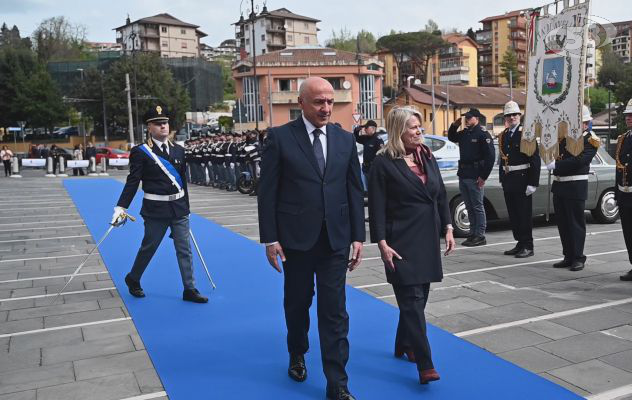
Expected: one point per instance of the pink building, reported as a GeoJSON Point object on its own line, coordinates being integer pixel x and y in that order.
{"type": "Point", "coordinates": [356, 78]}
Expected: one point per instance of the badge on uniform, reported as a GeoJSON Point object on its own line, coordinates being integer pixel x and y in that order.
{"type": "Point", "coordinates": [488, 140]}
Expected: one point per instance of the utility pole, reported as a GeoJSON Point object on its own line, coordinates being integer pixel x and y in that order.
{"type": "Point", "coordinates": [252, 18]}
{"type": "Point", "coordinates": [129, 111]}
{"type": "Point", "coordinates": [434, 111]}
{"type": "Point", "coordinates": [105, 123]}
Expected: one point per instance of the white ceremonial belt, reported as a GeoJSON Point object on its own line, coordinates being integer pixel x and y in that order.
{"type": "Point", "coordinates": [509, 168]}
{"type": "Point", "coordinates": [625, 189]}
{"type": "Point", "coordinates": [570, 178]}
{"type": "Point", "coordinates": [164, 197]}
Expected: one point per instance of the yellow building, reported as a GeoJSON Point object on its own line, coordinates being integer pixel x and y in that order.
{"type": "Point", "coordinates": [457, 64]}
{"type": "Point", "coordinates": [453, 101]}
{"type": "Point", "coordinates": [499, 34]}
{"type": "Point", "coordinates": [391, 73]}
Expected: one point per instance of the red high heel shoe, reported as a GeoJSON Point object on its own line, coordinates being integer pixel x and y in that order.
{"type": "Point", "coordinates": [399, 353]}
{"type": "Point", "coordinates": [428, 375]}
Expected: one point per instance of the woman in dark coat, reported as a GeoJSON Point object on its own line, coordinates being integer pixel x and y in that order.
{"type": "Point", "coordinates": [408, 213]}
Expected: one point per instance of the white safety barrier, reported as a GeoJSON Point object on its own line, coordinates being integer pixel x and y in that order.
{"type": "Point", "coordinates": [33, 162]}
{"type": "Point", "coordinates": [62, 167]}
{"type": "Point", "coordinates": [49, 168]}
{"type": "Point", "coordinates": [78, 164]}
{"type": "Point", "coordinates": [118, 162]}
{"type": "Point", "coordinates": [104, 167]}
{"type": "Point", "coordinates": [15, 168]}
{"type": "Point", "coordinates": [93, 167]}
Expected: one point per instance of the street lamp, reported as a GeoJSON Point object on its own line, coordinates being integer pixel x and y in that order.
{"type": "Point", "coordinates": [83, 124]}
{"type": "Point", "coordinates": [609, 85]}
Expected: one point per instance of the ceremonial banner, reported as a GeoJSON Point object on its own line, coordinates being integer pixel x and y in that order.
{"type": "Point", "coordinates": [555, 79]}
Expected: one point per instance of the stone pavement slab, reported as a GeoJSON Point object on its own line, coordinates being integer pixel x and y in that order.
{"type": "Point", "coordinates": [585, 347]}
{"type": "Point", "coordinates": [593, 376]}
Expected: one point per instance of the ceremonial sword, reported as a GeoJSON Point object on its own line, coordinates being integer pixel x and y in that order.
{"type": "Point", "coordinates": [197, 248]}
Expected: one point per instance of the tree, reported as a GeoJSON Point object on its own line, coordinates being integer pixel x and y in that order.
{"type": "Point", "coordinates": [154, 83]}
{"type": "Point", "coordinates": [363, 42]}
{"type": "Point", "coordinates": [509, 67]}
{"type": "Point", "coordinates": [415, 47]}
{"type": "Point", "coordinates": [470, 33]}
{"type": "Point", "coordinates": [57, 39]}
{"type": "Point", "coordinates": [431, 27]}
{"type": "Point", "coordinates": [612, 68]}
{"type": "Point", "coordinates": [27, 92]}
{"type": "Point", "coordinates": [11, 37]}
{"type": "Point", "coordinates": [598, 99]}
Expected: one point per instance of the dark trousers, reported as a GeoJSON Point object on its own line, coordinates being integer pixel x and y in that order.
{"type": "Point", "coordinates": [155, 229]}
{"type": "Point", "coordinates": [7, 167]}
{"type": "Point", "coordinates": [625, 213]}
{"type": "Point", "coordinates": [411, 329]}
{"type": "Point", "coordinates": [330, 268]}
{"type": "Point", "coordinates": [571, 224]}
{"type": "Point", "coordinates": [520, 210]}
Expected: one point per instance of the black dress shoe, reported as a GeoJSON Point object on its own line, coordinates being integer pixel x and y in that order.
{"type": "Point", "coordinates": [297, 369]}
{"type": "Point", "coordinates": [194, 296]}
{"type": "Point", "coordinates": [627, 277]}
{"type": "Point", "coordinates": [476, 241]}
{"type": "Point", "coordinates": [134, 287]}
{"type": "Point", "coordinates": [513, 251]}
{"type": "Point", "coordinates": [467, 241]}
{"type": "Point", "coordinates": [562, 264]}
{"type": "Point", "coordinates": [340, 394]}
{"type": "Point", "coordinates": [524, 253]}
{"type": "Point", "coordinates": [577, 266]}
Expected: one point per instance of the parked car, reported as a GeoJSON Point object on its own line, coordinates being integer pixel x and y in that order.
{"type": "Point", "coordinates": [445, 152]}
{"type": "Point", "coordinates": [66, 131]}
{"type": "Point", "coordinates": [110, 153]}
{"type": "Point", "coordinates": [600, 203]}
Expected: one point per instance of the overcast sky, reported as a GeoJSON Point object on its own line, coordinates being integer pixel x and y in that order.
{"type": "Point", "coordinates": [215, 16]}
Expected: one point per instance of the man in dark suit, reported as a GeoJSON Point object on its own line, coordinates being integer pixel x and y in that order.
{"type": "Point", "coordinates": [520, 176]}
{"type": "Point", "coordinates": [311, 210]}
{"type": "Point", "coordinates": [570, 191]}
{"type": "Point", "coordinates": [161, 166]}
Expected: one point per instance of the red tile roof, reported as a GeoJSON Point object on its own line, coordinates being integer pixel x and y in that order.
{"type": "Point", "coordinates": [465, 96]}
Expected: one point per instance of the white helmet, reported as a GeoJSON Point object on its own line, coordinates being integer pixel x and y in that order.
{"type": "Point", "coordinates": [511, 107]}
{"type": "Point", "coordinates": [586, 117]}
{"type": "Point", "coordinates": [628, 108]}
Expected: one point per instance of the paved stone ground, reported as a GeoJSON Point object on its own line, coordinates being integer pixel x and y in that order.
{"type": "Point", "coordinates": [574, 329]}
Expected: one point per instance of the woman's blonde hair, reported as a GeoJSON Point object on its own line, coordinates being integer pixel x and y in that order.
{"type": "Point", "coordinates": [395, 126]}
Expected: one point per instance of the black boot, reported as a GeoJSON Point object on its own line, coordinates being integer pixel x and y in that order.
{"type": "Point", "coordinates": [194, 296]}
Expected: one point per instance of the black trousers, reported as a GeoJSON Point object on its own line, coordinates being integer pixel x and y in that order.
{"type": "Point", "coordinates": [625, 212]}
{"type": "Point", "coordinates": [519, 207]}
{"type": "Point", "coordinates": [571, 224]}
{"type": "Point", "coordinates": [411, 329]}
{"type": "Point", "coordinates": [330, 269]}
{"type": "Point", "coordinates": [7, 167]}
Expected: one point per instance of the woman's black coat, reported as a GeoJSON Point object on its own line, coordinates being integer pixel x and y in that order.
{"type": "Point", "coordinates": [411, 216]}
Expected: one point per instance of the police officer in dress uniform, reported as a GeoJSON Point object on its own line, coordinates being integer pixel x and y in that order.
{"type": "Point", "coordinates": [366, 136]}
{"type": "Point", "coordinates": [188, 158]}
{"type": "Point", "coordinates": [519, 176]}
{"type": "Point", "coordinates": [570, 191]}
{"type": "Point", "coordinates": [229, 162]}
{"type": "Point", "coordinates": [476, 161]}
{"type": "Point", "coordinates": [160, 165]}
{"type": "Point", "coordinates": [623, 189]}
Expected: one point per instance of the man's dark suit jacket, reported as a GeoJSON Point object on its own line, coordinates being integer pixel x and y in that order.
{"type": "Point", "coordinates": [295, 200]}
{"type": "Point", "coordinates": [143, 168]}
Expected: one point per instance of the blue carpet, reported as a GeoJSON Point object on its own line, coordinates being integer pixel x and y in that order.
{"type": "Point", "coordinates": [234, 347]}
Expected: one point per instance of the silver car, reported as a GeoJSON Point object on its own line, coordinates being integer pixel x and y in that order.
{"type": "Point", "coordinates": [600, 202]}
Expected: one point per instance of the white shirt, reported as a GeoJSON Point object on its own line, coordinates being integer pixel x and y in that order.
{"type": "Point", "coordinates": [159, 144]}
{"type": "Point", "coordinates": [323, 137]}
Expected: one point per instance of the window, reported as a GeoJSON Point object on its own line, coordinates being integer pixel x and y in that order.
{"type": "Point", "coordinates": [184, 45]}
{"type": "Point", "coordinates": [289, 23]}
{"type": "Point", "coordinates": [335, 82]}
{"type": "Point", "coordinates": [247, 42]}
{"type": "Point", "coordinates": [290, 38]}
{"type": "Point", "coordinates": [434, 144]}
{"type": "Point", "coordinates": [285, 85]}
{"type": "Point", "coordinates": [306, 25]}
{"type": "Point", "coordinates": [262, 22]}
{"type": "Point", "coordinates": [165, 43]}
{"type": "Point", "coordinates": [263, 38]}
{"type": "Point", "coordinates": [306, 39]}
{"type": "Point", "coordinates": [263, 51]}
{"type": "Point", "coordinates": [163, 29]}
{"type": "Point", "coordinates": [368, 106]}
{"type": "Point", "coordinates": [249, 99]}
{"type": "Point", "coordinates": [183, 31]}
{"type": "Point", "coordinates": [295, 114]}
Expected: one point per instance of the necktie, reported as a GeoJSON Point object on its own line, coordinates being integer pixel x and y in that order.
{"type": "Point", "coordinates": [318, 150]}
{"type": "Point", "coordinates": [164, 149]}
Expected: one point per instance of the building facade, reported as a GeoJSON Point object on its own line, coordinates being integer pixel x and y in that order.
{"type": "Point", "coordinates": [457, 64]}
{"type": "Point", "coordinates": [272, 96]}
{"type": "Point", "coordinates": [275, 30]}
{"type": "Point", "coordinates": [622, 42]}
{"type": "Point", "coordinates": [226, 51]}
{"type": "Point", "coordinates": [499, 34]}
{"type": "Point", "coordinates": [163, 34]}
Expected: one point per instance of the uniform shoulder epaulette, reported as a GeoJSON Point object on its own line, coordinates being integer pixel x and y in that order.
{"type": "Point", "coordinates": [594, 140]}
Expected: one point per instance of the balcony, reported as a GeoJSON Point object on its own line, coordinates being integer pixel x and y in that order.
{"type": "Point", "coordinates": [275, 29]}
{"type": "Point", "coordinates": [484, 37]}
{"type": "Point", "coordinates": [291, 97]}
{"type": "Point", "coordinates": [518, 36]}
{"type": "Point", "coordinates": [485, 60]}
{"type": "Point", "coordinates": [279, 45]}
{"type": "Point", "coordinates": [518, 25]}
{"type": "Point", "coordinates": [451, 52]}
{"type": "Point", "coordinates": [519, 46]}
{"type": "Point", "coordinates": [454, 69]}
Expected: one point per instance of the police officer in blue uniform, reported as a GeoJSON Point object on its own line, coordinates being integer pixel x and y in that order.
{"type": "Point", "coordinates": [366, 136]}
{"type": "Point", "coordinates": [160, 165]}
{"type": "Point", "coordinates": [623, 188]}
{"type": "Point", "coordinates": [570, 191]}
{"type": "Point", "coordinates": [520, 176]}
{"type": "Point", "coordinates": [476, 161]}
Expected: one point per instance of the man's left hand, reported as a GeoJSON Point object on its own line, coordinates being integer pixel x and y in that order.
{"type": "Point", "coordinates": [356, 256]}
{"type": "Point", "coordinates": [481, 182]}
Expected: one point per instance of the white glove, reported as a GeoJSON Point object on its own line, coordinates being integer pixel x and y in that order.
{"type": "Point", "coordinates": [551, 165]}
{"type": "Point", "coordinates": [530, 190]}
{"type": "Point", "coordinates": [119, 216]}
{"type": "Point", "coordinates": [232, 165]}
